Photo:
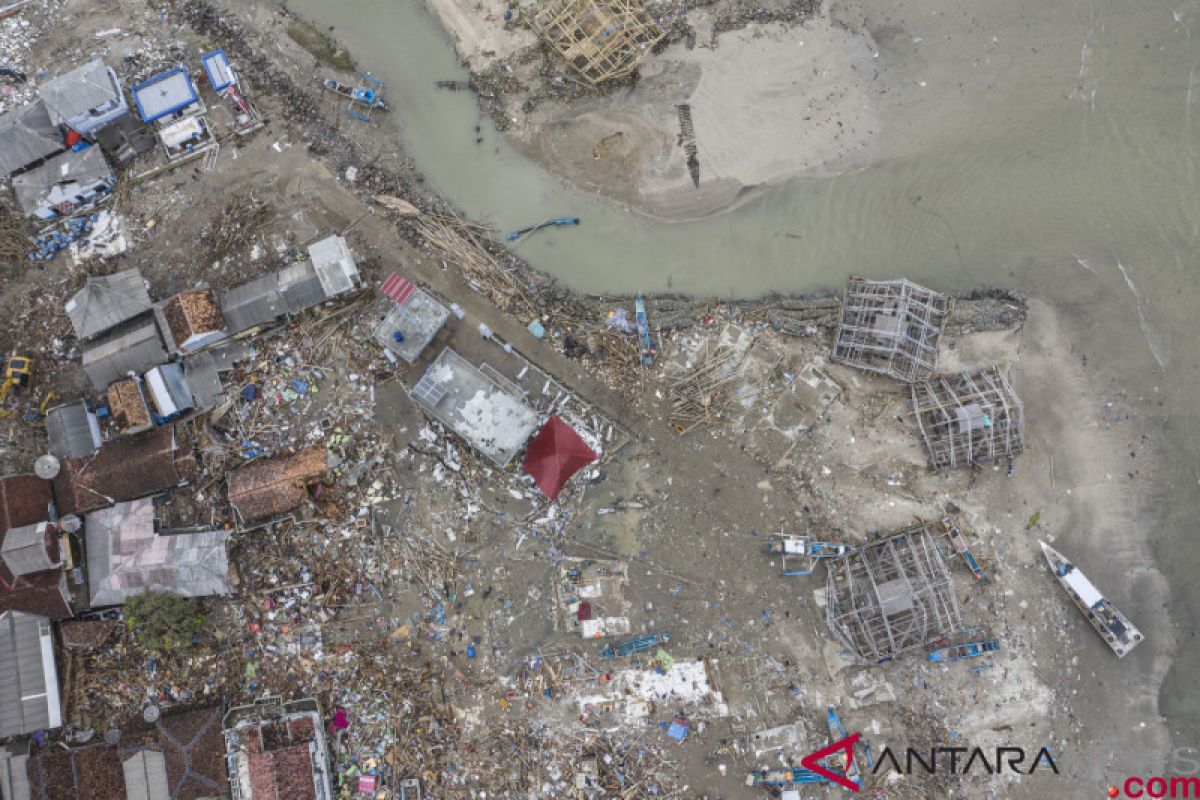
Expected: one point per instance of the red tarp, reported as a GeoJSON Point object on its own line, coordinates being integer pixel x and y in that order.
{"type": "Point", "coordinates": [554, 455]}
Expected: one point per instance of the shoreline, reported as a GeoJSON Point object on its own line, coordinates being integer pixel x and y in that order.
{"type": "Point", "coordinates": [687, 312]}
{"type": "Point", "coordinates": [810, 315]}
{"type": "Point", "coordinates": [793, 443]}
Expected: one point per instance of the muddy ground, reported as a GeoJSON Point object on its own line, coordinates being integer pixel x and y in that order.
{"type": "Point", "coordinates": [809, 447]}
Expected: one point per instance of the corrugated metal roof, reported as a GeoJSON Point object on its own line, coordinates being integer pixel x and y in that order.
{"type": "Point", "coordinates": [397, 287]}
{"type": "Point", "coordinates": [126, 557]}
{"type": "Point", "coordinates": [79, 91]}
{"type": "Point", "coordinates": [28, 678]}
{"type": "Point", "coordinates": [73, 430]}
{"type": "Point", "coordinates": [73, 171]}
{"type": "Point", "coordinates": [107, 301]}
{"type": "Point", "coordinates": [146, 776]}
{"type": "Point", "coordinates": [334, 265]}
{"type": "Point", "coordinates": [24, 550]}
{"type": "Point", "coordinates": [14, 775]}
{"type": "Point", "coordinates": [115, 355]}
{"type": "Point", "coordinates": [255, 303]}
{"type": "Point", "coordinates": [27, 135]}
{"type": "Point", "coordinates": [301, 287]}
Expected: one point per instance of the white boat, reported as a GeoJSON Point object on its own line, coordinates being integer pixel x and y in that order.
{"type": "Point", "coordinates": [1109, 622]}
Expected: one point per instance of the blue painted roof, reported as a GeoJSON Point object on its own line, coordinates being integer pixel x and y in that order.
{"type": "Point", "coordinates": [164, 94]}
{"type": "Point", "coordinates": [216, 66]}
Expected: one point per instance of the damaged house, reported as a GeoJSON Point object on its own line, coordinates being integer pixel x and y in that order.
{"type": "Point", "coordinates": [125, 556]}
{"type": "Point", "coordinates": [491, 416]}
{"type": "Point", "coordinates": [265, 489]}
{"type": "Point", "coordinates": [169, 100]}
{"type": "Point", "coordinates": [73, 181]}
{"type": "Point", "coordinates": [969, 418]}
{"type": "Point", "coordinates": [278, 751]}
{"type": "Point", "coordinates": [180, 757]}
{"type": "Point", "coordinates": [411, 322]}
{"type": "Point", "coordinates": [31, 575]}
{"type": "Point", "coordinates": [127, 410]}
{"type": "Point", "coordinates": [601, 39]}
{"type": "Point", "coordinates": [192, 320]}
{"type": "Point", "coordinates": [890, 327]}
{"type": "Point", "coordinates": [86, 99]}
{"type": "Point", "coordinates": [126, 469]}
{"type": "Point", "coordinates": [334, 266]}
{"type": "Point", "coordinates": [891, 597]}
{"type": "Point", "coordinates": [27, 138]}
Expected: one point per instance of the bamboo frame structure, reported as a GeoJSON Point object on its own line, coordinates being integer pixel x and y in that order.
{"type": "Point", "coordinates": [969, 418]}
{"type": "Point", "coordinates": [892, 596]}
{"type": "Point", "coordinates": [601, 39]}
{"type": "Point", "coordinates": [891, 327]}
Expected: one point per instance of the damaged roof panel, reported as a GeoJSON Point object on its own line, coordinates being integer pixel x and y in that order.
{"type": "Point", "coordinates": [26, 137]}
{"type": "Point", "coordinates": [120, 352]}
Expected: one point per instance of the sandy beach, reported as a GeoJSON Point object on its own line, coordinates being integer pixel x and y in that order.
{"type": "Point", "coordinates": [857, 85]}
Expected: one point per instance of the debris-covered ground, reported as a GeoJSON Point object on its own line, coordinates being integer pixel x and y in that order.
{"type": "Point", "coordinates": [437, 599]}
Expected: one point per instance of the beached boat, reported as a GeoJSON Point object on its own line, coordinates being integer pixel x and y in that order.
{"type": "Point", "coordinates": [847, 764]}
{"type": "Point", "coordinates": [643, 329]}
{"type": "Point", "coordinates": [361, 95]}
{"type": "Point", "coordinates": [1109, 622]}
{"type": "Point", "coordinates": [960, 651]}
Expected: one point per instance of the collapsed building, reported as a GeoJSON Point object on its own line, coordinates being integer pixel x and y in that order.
{"type": "Point", "coordinates": [969, 418]}
{"type": "Point", "coordinates": [277, 750]}
{"type": "Point", "coordinates": [890, 327]}
{"type": "Point", "coordinates": [600, 40]}
{"type": "Point", "coordinates": [891, 596]}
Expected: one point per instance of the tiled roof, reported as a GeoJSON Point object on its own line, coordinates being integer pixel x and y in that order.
{"type": "Point", "coordinates": [274, 485]}
{"type": "Point", "coordinates": [126, 469]}
{"type": "Point", "coordinates": [192, 745]}
{"type": "Point", "coordinates": [24, 500]}
{"type": "Point", "coordinates": [39, 593]}
{"type": "Point", "coordinates": [126, 405]}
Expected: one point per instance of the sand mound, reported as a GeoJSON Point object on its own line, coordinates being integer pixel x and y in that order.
{"type": "Point", "coordinates": [769, 103]}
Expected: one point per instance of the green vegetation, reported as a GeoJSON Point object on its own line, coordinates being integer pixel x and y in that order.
{"type": "Point", "coordinates": [1033, 521]}
{"type": "Point", "coordinates": [163, 622]}
{"type": "Point", "coordinates": [320, 46]}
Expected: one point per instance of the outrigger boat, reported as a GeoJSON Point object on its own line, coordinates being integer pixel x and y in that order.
{"type": "Point", "coordinates": [1109, 622]}
{"type": "Point", "coordinates": [960, 651]}
{"type": "Point", "coordinates": [368, 93]}
{"type": "Point", "coordinates": [848, 764]}
{"type": "Point", "coordinates": [803, 547]}
{"type": "Point", "coordinates": [638, 645]}
{"type": "Point", "coordinates": [784, 777]}
{"type": "Point", "coordinates": [643, 330]}
{"type": "Point", "coordinates": [960, 545]}
{"type": "Point", "coordinates": [556, 222]}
